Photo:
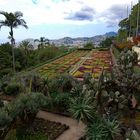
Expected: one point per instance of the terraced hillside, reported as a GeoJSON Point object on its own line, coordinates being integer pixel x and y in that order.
{"type": "Point", "coordinates": [62, 65]}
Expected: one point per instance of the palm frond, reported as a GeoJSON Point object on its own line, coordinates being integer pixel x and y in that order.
{"type": "Point", "coordinates": [3, 13]}
{"type": "Point", "coordinates": [20, 22]}
{"type": "Point", "coordinates": [18, 14]}
{"type": "Point", "coordinates": [3, 23]}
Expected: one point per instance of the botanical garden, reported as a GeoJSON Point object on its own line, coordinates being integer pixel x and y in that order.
{"type": "Point", "coordinates": [58, 93]}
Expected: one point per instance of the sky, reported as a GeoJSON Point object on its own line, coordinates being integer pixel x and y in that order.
{"type": "Point", "coordinates": [56, 19]}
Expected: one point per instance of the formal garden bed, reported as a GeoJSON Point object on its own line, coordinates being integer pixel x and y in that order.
{"type": "Point", "coordinates": [97, 61]}
{"type": "Point", "coordinates": [62, 65]}
{"type": "Point", "coordinates": [48, 129]}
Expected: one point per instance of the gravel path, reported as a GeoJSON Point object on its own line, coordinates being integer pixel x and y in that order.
{"type": "Point", "coordinates": [76, 130]}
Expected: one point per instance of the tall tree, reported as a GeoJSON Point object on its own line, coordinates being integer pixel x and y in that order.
{"type": "Point", "coordinates": [131, 25]}
{"type": "Point", "coordinates": [12, 20]}
{"type": "Point", "coordinates": [42, 42]}
{"type": "Point", "coordinates": [27, 48]}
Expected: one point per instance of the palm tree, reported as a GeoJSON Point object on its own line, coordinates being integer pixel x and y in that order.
{"type": "Point", "coordinates": [42, 42]}
{"type": "Point", "coordinates": [27, 49]}
{"type": "Point", "coordinates": [26, 46]}
{"type": "Point", "coordinates": [12, 20]}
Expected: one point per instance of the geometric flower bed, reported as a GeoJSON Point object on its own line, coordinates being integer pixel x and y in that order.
{"type": "Point", "coordinates": [94, 64]}
{"type": "Point", "coordinates": [62, 65]}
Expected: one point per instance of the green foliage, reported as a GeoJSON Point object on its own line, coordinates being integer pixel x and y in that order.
{"type": "Point", "coordinates": [5, 118]}
{"type": "Point", "coordinates": [13, 89]}
{"type": "Point", "coordinates": [129, 25]}
{"type": "Point", "coordinates": [133, 135]}
{"type": "Point", "coordinates": [31, 102]}
{"type": "Point", "coordinates": [89, 45]}
{"type": "Point", "coordinates": [12, 20]}
{"type": "Point", "coordinates": [43, 42]}
{"type": "Point", "coordinates": [107, 42]}
{"type": "Point", "coordinates": [26, 56]}
{"type": "Point", "coordinates": [122, 35]}
{"type": "Point", "coordinates": [25, 105]}
{"type": "Point", "coordinates": [1, 103]}
{"type": "Point", "coordinates": [16, 135]}
{"type": "Point", "coordinates": [124, 74]}
{"type": "Point", "coordinates": [62, 83]}
{"type": "Point", "coordinates": [82, 108]}
{"type": "Point", "coordinates": [45, 54]}
{"type": "Point", "coordinates": [123, 86]}
{"type": "Point", "coordinates": [76, 90]}
{"type": "Point", "coordinates": [61, 102]}
{"type": "Point", "coordinates": [37, 136]}
{"type": "Point", "coordinates": [101, 129]}
{"type": "Point", "coordinates": [5, 59]}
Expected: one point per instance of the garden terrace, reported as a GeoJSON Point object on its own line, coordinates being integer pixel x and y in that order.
{"type": "Point", "coordinates": [78, 63]}
{"type": "Point", "coordinates": [62, 65]}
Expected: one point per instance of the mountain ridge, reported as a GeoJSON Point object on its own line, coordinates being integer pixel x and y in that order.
{"type": "Point", "coordinates": [78, 41]}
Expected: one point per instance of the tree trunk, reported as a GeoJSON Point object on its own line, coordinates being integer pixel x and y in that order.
{"type": "Point", "coordinates": [13, 45]}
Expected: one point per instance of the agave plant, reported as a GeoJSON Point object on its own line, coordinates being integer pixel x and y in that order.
{"type": "Point", "coordinates": [101, 129]}
{"type": "Point", "coordinates": [82, 108]}
{"type": "Point", "coordinates": [133, 135]}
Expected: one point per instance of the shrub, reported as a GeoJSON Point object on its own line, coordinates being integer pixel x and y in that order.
{"type": "Point", "coordinates": [30, 104]}
{"type": "Point", "coordinates": [102, 129]}
{"type": "Point", "coordinates": [62, 102]}
{"type": "Point", "coordinates": [5, 118]}
{"type": "Point", "coordinates": [13, 89]}
{"type": "Point", "coordinates": [1, 103]}
{"type": "Point", "coordinates": [5, 123]}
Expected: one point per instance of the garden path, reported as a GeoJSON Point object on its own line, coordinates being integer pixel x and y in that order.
{"type": "Point", "coordinates": [76, 130]}
{"type": "Point", "coordinates": [77, 65]}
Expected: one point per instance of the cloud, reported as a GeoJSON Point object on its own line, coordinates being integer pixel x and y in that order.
{"type": "Point", "coordinates": [57, 1]}
{"type": "Point", "coordinates": [41, 12]}
{"type": "Point", "coordinates": [114, 14]}
{"type": "Point", "coordinates": [85, 13]}
{"type": "Point", "coordinates": [35, 1]}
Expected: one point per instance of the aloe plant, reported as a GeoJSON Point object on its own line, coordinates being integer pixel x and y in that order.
{"type": "Point", "coordinates": [82, 108]}
{"type": "Point", "coordinates": [101, 129]}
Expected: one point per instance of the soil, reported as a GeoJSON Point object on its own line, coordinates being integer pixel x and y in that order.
{"type": "Point", "coordinates": [7, 98]}
{"type": "Point", "coordinates": [51, 129]}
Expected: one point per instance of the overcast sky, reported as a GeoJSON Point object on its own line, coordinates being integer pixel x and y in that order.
{"type": "Point", "coordinates": [59, 18]}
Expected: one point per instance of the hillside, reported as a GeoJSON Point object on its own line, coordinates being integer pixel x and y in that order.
{"type": "Point", "coordinates": [79, 41]}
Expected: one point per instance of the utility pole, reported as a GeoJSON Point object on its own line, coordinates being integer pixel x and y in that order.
{"type": "Point", "coordinates": [137, 29]}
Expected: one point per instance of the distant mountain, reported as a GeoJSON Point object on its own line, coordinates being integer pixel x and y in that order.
{"type": "Point", "coordinates": [79, 41]}
{"type": "Point", "coordinates": [109, 34]}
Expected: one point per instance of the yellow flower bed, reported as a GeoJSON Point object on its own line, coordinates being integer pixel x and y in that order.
{"type": "Point", "coordinates": [77, 73]}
